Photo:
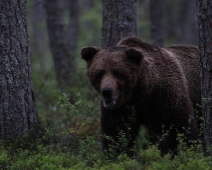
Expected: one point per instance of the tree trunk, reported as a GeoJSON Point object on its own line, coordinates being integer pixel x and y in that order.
{"type": "Point", "coordinates": [87, 26]}
{"type": "Point", "coordinates": [18, 112]}
{"type": "Point", "coordinates": [119, 21]}
{"type": "Point", "coordinates": [58, 41]}
{"type": "Point", "coordinates": [38, 34]}
{"type": "Point", "coordinates": [157, 22]}
{"type": "Point", "coordinates": [189, 32]}
{"type": "Point", "coordinates": [72, 32]}
{"type": "Point", "coordinates": [172, 24]}
{"type": "Point", "coordinates": [205, 45]}
{"type": "Point", "coordinates": [86, 7]}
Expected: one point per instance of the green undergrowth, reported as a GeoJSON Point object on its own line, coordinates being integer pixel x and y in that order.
{"type": "Point", "coordinates": [44, 150]}
{"type": "Point", "coordinates": [68, 145]}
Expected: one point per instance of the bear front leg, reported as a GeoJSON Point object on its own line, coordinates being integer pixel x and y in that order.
{"type": "Point", "coordinates": [117, 131]}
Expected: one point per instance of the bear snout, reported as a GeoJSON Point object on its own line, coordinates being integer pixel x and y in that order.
{"type": "Point", "coordinates": [107, 92]}
{"type": "Point", "coordinates": [107, 97]}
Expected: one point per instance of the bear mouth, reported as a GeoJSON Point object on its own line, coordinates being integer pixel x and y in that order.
{"type": "Point", "coordinates": [109, 103]}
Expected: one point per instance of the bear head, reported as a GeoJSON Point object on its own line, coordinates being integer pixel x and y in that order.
{"type": "Point", "coordinates": [113, 72]}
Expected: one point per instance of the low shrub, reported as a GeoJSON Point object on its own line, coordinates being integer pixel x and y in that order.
{"type": "Point", "coordinates": [72, 142]}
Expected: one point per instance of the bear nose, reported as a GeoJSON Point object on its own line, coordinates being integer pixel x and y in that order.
{"type": "Point", "coordinates": [106, 92]}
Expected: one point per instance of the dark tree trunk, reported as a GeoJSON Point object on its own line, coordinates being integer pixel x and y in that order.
{"type": "Point", "coordinates": [38, 34]}
{"type": "Point", "coordinates": [205, 45]}
{"type": "Point", "coordinates": [87, 25]}
{"type": "Point", "coordinates": [72, 32]}
{"type": "Point", "coordinates": [119, 21]}
{"type": "Point", "coordinates": [156, 9]}
{"type": "Point", "coordinates": [58, 41]}
{"type": "Point", "coordinates": [87, 6]}
{"type": "Point", "coordinates": [18, 112]}
{"type": "Point", "coordinates": [172, 25]}
{"type": "Point", "coordinates": [189, 32]}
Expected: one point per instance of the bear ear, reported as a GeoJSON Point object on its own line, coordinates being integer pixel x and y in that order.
{"type": "Point", "coordinates": [87, 53]}
{"type": "Point", "coordinates": [134, 55]}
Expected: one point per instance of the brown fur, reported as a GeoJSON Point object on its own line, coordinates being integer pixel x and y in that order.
{"type": "Point", "coordinates": [145, 85]}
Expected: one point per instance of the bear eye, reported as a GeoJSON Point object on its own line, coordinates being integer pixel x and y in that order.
{"type": "Point", "coordinates": [118, 75]}
{"type": "Point", "coordinates": [99, 75]}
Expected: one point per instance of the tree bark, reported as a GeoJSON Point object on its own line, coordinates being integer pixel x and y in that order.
{"type": "Point", "coordinates": [58, 41]}
{"type": "Point", "coordinates": [72, 32]}
{"type": "Point", "coordinates": [18, 112]}
{"type": "Point", "coordinates": [189, 32]}
{"type": "Point", "coordinates": [157, 22]}
{"type": "Point", "coordinates": [86, 7]}
{"type": "Point", "coordinates": [119, 21]}
{"type": "Point", "coordinates": [37, 31]}
{"type": "Point", "coordinates": [205, 45]}
{"type": "Point", "coordinates": [38, 44]}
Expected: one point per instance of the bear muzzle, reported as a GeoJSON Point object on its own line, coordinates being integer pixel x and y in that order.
{"type": "Point", "coordinates": [108, 98]}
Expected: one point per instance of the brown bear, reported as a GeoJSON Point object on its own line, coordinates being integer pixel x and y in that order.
{"type": "Point", "coordinates": [144, 85]}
